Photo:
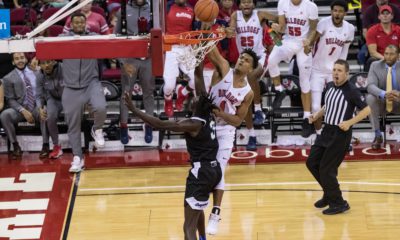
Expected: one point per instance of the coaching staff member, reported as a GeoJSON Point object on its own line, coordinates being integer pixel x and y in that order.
{"type": "Point", "coordinates": [341, 98]}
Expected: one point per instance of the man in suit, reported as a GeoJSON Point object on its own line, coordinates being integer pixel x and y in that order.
{"type": "Point", "coordinates": [20, 94]}
{"type": "Point", "coordinates": [383, 89]}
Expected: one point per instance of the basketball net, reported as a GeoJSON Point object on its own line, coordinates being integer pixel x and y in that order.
{"type": "Point", "coordinates": [199, 43]}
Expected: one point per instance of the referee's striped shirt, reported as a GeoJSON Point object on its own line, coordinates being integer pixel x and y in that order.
{"type": "Point", "coordinates": [340, 102]}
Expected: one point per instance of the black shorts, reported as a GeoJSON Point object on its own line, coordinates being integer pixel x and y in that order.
{"type": "Point", "coordinates": [201, 181]}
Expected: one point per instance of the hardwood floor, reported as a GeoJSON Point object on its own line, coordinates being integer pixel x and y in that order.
{"type": "Point", "coordinates": [273, 201]}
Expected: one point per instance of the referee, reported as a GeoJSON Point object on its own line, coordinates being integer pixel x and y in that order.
{"type": "Point", "coordinates": [341, 98]}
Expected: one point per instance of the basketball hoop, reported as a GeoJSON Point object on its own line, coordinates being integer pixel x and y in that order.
{"type": "Point", "coordinates": [200, 44]}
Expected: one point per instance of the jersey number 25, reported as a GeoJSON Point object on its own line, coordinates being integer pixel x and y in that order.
{"type": "Point", "coordinates": [247, 41]}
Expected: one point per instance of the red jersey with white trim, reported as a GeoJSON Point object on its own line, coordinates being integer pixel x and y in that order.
{"type": "Point", "coordinates": [226, 97]}
{"type": "Point", "coordinates": [179, 19]}
{"type": "Point", "coordinates": [249, 34]}
{"type": "Point", "coordinates": [332, 45]}
{"type": "Point", "coordinates": [297, 18]}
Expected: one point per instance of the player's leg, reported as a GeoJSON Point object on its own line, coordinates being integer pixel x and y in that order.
{"type": "Point", "coordinates": [280, 53]}
{"type": "Point", "coordinates": [191, 222]}
{"type": "Point", "coordinates": [126, 86]}
{"type": "Point", "coordinates": [54, 109]}
{"type": "Point", "coordinates": [171, 72]}
{"type": "Point", "coordinates": [305, 62]}
{"type": "Point", "coordinates": [259, 116]}
{"type": "Point", "coordinates": [318, 80]}
{"type": "Point", "coordinates": [148, 86]}
{"type": "Point", "coordinates": [223, 156]}
{"type": "Point", "coordinates": [182, 92]}
{"type": "Point", "coordinates": [98, 104]}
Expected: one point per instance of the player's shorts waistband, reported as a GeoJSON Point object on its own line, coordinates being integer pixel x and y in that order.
{"type": "Point", "coordinates": [206, 163]}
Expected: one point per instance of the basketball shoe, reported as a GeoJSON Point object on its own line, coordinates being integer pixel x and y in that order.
{"type": "Point", "coordinates": [77, 164]}
{"type": "Point", "coordinates": [98, 138]}
{"type": "Point", "coordinates": [56, 153]}
{"type": "Point", "coordinates": [180, 98]}
{"type": "Point", "coordinates": [213, 221]}
{"type": "Point", "coordinates": [168, 108]}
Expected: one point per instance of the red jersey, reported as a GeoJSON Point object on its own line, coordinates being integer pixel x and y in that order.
{"type": "Point", "coordinates": [179, 19]}
{"type": "Point", "coordinates": [376, 35]}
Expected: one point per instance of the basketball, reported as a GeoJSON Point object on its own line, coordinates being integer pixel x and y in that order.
{"type": "Point", "coordinates": [206, 10]}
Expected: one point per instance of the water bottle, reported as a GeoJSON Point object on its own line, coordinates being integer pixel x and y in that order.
{"type": "Point", "coordinates": [276, 37]}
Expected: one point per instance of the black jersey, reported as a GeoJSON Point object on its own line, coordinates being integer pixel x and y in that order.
{"type": "Point", "coordinates": [204, 146]}
{"type": "Point", "coordinates": [340, 102]}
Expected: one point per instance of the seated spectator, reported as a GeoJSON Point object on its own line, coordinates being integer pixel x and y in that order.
{"type": "Point", "coordinates": [383, 90]}
{"type": "Point", "coordinates": [371, 15]}
{"type": "Point", "coordinates": [381, 35]}
{"type": "Point", "coordinates": [113, 4]}
{"type": "Point", "coordinates": [20, 93]}
{"type": "Point", "coordinates": [1, 95]}
{"type": "Point", "coordinates": [365, 4]}
{"type": "Point", "coordinates": [49, 90]}
{"type": "Point", "coordinates": [94, 22]}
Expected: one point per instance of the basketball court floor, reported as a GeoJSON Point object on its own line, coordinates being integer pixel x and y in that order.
{"type": "Point", "coordinates": [139, 195]}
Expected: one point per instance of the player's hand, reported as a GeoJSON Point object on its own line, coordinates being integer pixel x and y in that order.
{"type": "Point", "coordinates": [129, 69]}
{"type": "Point", "coordinates": [28, 116]}
{"type": "Point", "coordinates": [276, 27]}
{"type": "Point", "coordinates": [312, 118]}
{"type": "Point", "coordinates": [206, 25]}
{"type": "Point", "coordinates": [217, 111]}
{"type": "Point", "coordinates": [230, 32]}
{"type": "Point", "coordinates": [43, 113]}
{"type": "Point", "coordinates": [345, 125]}
{"type": "Point", "coordinates": [307, 47]}
{"type": "Point", "coordinates": [128, 102]}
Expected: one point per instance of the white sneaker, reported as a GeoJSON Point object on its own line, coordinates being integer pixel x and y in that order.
{"type": "Point", "coordinates": [98, 138]}
{"type": "Point", "coordinates": [213, 221]}
{"type": "Point", "coordinates": [77, 164]}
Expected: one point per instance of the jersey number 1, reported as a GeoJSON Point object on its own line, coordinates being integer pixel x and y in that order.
{"type": "Point", "coordinates": [247, 41]}
{"type": "Point", "coordinates": [332, 50]}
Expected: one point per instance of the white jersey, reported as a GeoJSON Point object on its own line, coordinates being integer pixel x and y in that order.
{"type": "Point", "coordinates": [249, 34]}
{"type": "Point", "coordinates": [297, 18]}
{"type": "Point", "coordinates": [226, 97]}
{"type": "Point", "coordinates": [332, 45]}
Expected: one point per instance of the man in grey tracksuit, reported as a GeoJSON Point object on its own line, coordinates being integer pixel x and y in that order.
{"type": "Point", "coordinates": [82, 86]}
{"type": "Point", "coordinates": [138, 17]}
{"type": "Point", "coordinates": [49, 89]}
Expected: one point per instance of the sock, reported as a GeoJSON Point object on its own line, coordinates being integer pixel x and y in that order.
{"type": "Point", "coordinates": [46, 145]}
{"type": "Point", "coordinates": [168, 97]}
{"type": "Point", "coordinates": [279, 88]}
{"type": "Point", "coordinates": [185, 91]}
{"type": "Point", "coordinates": [251, 132]}
{"type": "Point", "coordinates": [216, 210]}
{"type": "Point", "coordinates": [319, 131]}
{"type": "Point", "coordinates": [123, 125]}
{"type": "Point", "coordinates": [257, 107]}
{"type": "Point", "coordinates": [378, 133]}
{"type": "Point", "coordinates": [306, 114]}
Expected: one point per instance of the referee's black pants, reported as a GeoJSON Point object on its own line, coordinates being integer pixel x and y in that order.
{"type": "Point", "coordinates": [325, 157]}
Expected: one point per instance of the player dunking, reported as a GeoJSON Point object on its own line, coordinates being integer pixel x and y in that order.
{"type": "Point", "coordinates": [202, 145]}
{"type": "Point", "coordinates": [233, 95]}
{"type": "Point", "coordinates": [334, 36]}
{"type": "Point", "coordinates": [246, 24]}
{"type": "Point", "coordinates": [298, 20]}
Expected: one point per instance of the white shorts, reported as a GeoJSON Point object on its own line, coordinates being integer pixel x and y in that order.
{"type": "Point", "coordinates": [319, 80]}
{"type": "Point", "coordinates": [285, 52]}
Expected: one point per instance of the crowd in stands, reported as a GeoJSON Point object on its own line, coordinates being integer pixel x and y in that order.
{"type": "Point", "coordinates": [380, 28]}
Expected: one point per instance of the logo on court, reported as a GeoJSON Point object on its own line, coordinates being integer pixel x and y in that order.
{"type": "Point", "coordinates": [5, 23]}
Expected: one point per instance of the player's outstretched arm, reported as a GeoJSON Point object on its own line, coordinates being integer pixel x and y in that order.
{"type": "Point", "coordinates": [280, 26]}
{"type": "Point", "coordinates": [199, 80]}
{"type": "Point", "coordinates": [189, 126]}
{"type": "Point", "coordinates": [231, 30]}
{"type": "Point", "coordinates": [237, 119]}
